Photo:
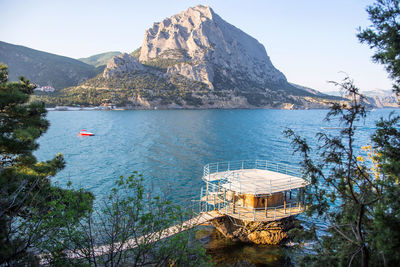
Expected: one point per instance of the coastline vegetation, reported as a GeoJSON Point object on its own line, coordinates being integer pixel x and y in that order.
{"type": "Point", "coordinates": [357, 195]}
{"type": "Point", "coordinates": [125, 90]}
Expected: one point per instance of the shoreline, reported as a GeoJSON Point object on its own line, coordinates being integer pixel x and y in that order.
{"type": "Point", "coordinates": [99, 108]}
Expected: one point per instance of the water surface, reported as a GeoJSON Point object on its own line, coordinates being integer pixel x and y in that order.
{"type": "Point", "coordinates": [170, 147]}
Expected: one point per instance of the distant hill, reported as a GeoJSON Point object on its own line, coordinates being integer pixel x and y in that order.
{"type": "Point", "coordinates": [378, 98]}
{"type": "Point", "coordinates": [99, 59]}
{"type": "Point", "coordinates": [44, 68]}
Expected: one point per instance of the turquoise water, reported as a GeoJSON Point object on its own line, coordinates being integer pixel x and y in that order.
{"type": "Point", "coordinates": [170, 147]}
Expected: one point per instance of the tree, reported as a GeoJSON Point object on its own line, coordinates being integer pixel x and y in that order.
{"type": "Point", "coordinates": [384, 36]}
{"type": "Point", "coordinates": [128, 228]}
{"type": "Point", "coordinates": [343, 191]}
{"type": "Point", "coordinates": [355, 195]}
{"type": "Point", "coordinates": [359, 197]}
{"type": "Point", "coordinates": [386, 142]}
{"type": "Point", "coordinates": [33, 212]}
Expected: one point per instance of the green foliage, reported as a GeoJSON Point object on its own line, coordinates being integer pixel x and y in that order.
{"type": "Point", "coordinates": [342, 191]}
{"type": "Point", "coordinates": [384, 36]}
{"type": "Point", "coordinates": [136, 53]}
{"type": "Point", "coordinates": [44, 68]}
{"type": "Point", "coordinates": [357, 198]}
{"type": "Point", "coordinates": [99, 59]}
{"type": "Point", "coordinates": [33, 212]}
{"type": "Point", "coordinates": [122, 90]}
{"type": "Point", "coordinates": [386, 142]}
{"type": "Point", "coordinates": [131, 224]}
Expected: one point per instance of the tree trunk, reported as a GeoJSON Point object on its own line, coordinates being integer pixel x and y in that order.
{"type": "Point", "coordinates": [364, 257]}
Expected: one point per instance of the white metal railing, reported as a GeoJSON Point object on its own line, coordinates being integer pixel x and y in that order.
{"type": "Point", "coordinates": [230, 176]}
{"type": "Point", "coordinates": [250, 164]}
{"type": "Point", "coordinates": [217, 201]}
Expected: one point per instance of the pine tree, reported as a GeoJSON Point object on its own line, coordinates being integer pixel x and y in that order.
{"type": "Point", "coordinates": [384, 36]}
{"type": "Point", "coordinates": [33, 212]}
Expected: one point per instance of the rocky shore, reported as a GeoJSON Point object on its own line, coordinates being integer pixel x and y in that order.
{"type": "Point", "coordinates": [271, 233]}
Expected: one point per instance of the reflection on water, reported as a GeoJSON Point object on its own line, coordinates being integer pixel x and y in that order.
{"type": "Point", "coordinates": [225, 252]}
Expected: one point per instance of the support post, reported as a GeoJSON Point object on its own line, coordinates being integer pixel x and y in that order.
{"type": "Point", "coordinates": [290, 209]}
{"type": "Point", "coordinates": [234, 203]}
{"type": "Point", "coordinates": [214, 203]}
{"type": "Point", "coordinates": [266, 207]}
{"type": "Point", "coordinates": [298, 198]}
{"type": "Point", "coordinates": [225, 199]}
{"type": "Point", "coordinates": [270, 187]}
{"type": "Point", "coordinates": [207, 192]}
{"type": "Point", "coordinates": [284, 203]}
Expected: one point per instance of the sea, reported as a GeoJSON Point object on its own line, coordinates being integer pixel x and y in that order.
{"type": "Point", "coordinates": [171, 147]}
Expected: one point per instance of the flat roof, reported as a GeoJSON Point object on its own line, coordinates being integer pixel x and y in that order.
{"type": "Point", "coordinates": [256, 181]}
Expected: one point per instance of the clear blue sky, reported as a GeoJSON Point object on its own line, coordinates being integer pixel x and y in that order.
{"type": "Point", "coordinates": [310, 41]}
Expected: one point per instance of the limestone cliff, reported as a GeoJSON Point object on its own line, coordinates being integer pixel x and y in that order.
{"type": "Point", "coordinates": [210, 44]}
{"type": "Point", "coordinates": [120, 65]}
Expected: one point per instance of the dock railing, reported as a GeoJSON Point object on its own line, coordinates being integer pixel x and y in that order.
{"type": "Point", "coordinates": [228, 174]}
{"type": "Point", "coordinates": [216, 167]}
{"type": "Point", "coordinates": [217, 201]}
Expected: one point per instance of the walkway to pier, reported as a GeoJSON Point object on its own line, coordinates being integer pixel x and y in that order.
{"type": "Point", "coordinates": [202, 218]}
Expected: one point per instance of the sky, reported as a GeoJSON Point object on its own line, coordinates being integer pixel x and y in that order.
{"type": "Point", "coordinates": [310, 41]}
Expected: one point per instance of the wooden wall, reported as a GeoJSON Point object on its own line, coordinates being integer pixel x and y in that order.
{"type": "Point", "coordinates": [249, 200]}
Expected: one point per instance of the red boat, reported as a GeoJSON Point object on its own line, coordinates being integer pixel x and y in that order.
{"type": "Point", "coordinates": [85, 133]}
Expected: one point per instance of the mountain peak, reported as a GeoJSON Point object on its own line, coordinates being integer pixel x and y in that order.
{"type": "Point", "coordinates": [199, 44]}
{"type": "Point", "coordinates": [204, 10]}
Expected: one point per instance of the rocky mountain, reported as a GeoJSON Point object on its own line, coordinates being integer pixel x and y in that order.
{"type": "Point", "coordinates": [99, 59]}
{"type": "Point", "coordinates": [195, 59]}
{"type": "Point", "coordinates": [383, 101]}
{"type": "Point", "coordinates": [381, 98]}
{"type": "Point", "coordinates": [44, 68]}
{"type": "Point", "coordinates": [203, 44]}
{"type": "Point", "coordinates": [120, 65]}
{"type": "Point", "coordinates": [377, 98]}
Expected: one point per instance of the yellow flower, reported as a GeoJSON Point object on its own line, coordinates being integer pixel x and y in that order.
{"type": "Point", "coordinates": [361, 159]}
{"type": "Point", "coordinates": [366, 148]}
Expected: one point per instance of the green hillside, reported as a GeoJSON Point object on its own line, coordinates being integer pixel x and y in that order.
{"type": "Point", "coordinates": [121, 90]}
{"type": "Point", "coordinates": [44, 68]}
{"type": "Point", "coordinates": [99, 59]}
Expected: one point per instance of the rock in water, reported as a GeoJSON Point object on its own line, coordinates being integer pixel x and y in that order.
{"type": "Point", "coordinates": [202, 45]}
{"type": "Point", "coordinates": [120, 65]}
{"type": "Point", "coordinates": [271, 233]}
